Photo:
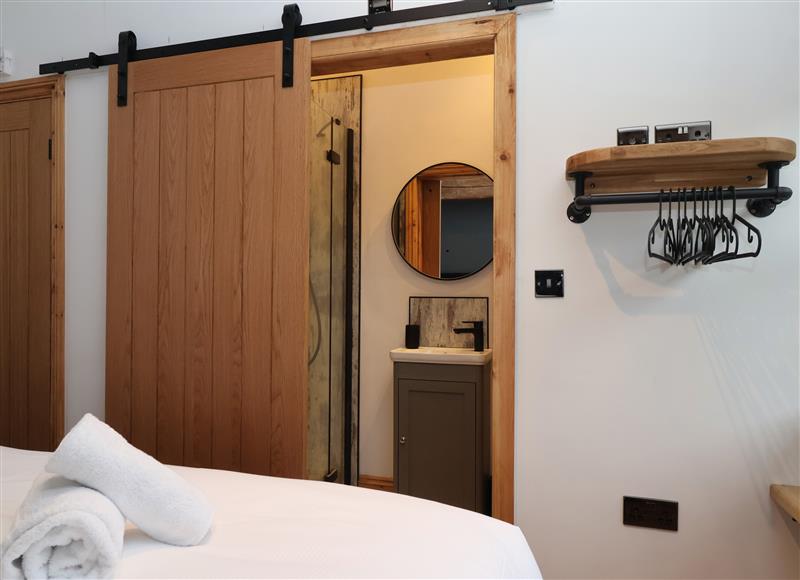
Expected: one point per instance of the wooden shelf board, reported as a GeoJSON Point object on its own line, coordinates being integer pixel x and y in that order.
{"type": "Point", "coordinates": [636, 168]}
{"type": "Point", "coordinates": [788, 497]}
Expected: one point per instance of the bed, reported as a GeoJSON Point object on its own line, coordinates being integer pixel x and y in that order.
{"type": "Point", "coordinates": [275, 527]}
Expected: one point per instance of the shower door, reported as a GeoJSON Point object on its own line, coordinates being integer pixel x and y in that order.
{"type": "Point", "coordinates": [331, 250]}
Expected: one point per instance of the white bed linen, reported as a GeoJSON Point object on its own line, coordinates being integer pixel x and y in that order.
{"type": "Point", "coordinates": [280, 528]}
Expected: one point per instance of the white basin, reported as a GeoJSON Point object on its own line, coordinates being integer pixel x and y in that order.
{"type": "Point", "coordinates": [441, 355]}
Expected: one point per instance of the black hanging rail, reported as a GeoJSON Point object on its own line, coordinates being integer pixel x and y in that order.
{"type": "Point", "coordinates": [761, 201]}
{"type": "Point", "coordinates": [367, 22]}
{"type": "Point", "coordinates": [668, 172]}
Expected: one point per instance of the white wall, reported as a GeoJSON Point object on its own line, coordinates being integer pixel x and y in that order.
{"type": "Point", "coordinates": [648, 380]}
{"type": "Point", "coordinates": [413, 117]}
{"type": "Point", "coordinates": [681, 384]}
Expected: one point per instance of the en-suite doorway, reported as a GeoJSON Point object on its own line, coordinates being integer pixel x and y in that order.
{"type": "Point", "coordinates": [454, 40]}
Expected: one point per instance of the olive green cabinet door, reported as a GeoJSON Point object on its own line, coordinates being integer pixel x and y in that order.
{"type": "Point", "coordinates": [436, 441]}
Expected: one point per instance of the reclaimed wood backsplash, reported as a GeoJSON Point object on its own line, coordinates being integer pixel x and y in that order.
{"type": "Point", "coordinates": [437, 316]}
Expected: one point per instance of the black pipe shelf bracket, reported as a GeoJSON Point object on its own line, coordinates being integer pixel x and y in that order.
{"type": "Point", "coordinates": [614, 175]}
{"type": "Point", "coordinates": [292, 29]}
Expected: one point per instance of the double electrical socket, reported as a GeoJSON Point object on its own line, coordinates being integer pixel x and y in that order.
{"type": "Point", "coordinates": [650, 513]}
{"type": "Point", "coordinates": [697, 131]}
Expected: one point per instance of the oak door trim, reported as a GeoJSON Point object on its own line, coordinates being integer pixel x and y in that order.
{"type": "Point", "coordinates": [449, 40]}
{"type": "Point", "coordinates": [402, 46]}
{"type": "Point", "coordinates": [51, 86]}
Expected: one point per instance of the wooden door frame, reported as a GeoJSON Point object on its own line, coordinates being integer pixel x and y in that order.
{"type": "Point", "coordinates": [459, 39]}
{"type": "Point", "coordinates": [51, 86]}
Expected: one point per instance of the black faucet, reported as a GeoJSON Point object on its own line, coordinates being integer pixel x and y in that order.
{"type": "Point", "coordinates": [476, 330]}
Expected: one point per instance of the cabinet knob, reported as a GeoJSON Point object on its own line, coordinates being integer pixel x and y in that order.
{"type": "Point", "coordinates": [402, 440]}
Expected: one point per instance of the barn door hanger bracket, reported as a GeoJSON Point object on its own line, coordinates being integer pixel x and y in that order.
{"type": "Point", "coordinates": [378, 6]}
{"type": "Point", "coordinates": [127, 51]}
{"type": "Point", "coordinates": [291, 20]}
{"type": "Point", "coordinates": [504, 4]}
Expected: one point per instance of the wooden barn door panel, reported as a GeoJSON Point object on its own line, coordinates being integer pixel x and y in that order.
{"type": "Point", "coordinates": [207, 264]}
{"type": "Point", "coordinates": [144, 295]}
{"type": "Point", "coordinates": [200, 173]}
{"type": "Point", "coordinates": [257, 263]}
{"type": "Point", "coordinates": [227, 343]}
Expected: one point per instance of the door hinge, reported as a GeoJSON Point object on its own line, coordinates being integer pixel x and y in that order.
{"type": "Point", "coordinates": [333, 157]}
{"type": "Point", "coordinates": [50, 149]}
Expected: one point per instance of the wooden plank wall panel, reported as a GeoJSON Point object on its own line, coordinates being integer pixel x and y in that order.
{"type": "Point", "coordinates": [199, 271]}
{"type": "Point", "coordinates": [40, 428]}
{"type": "Point", "coordinates": [172, 276]}
{"type": "Point", "coordinates": [18, 295]}
{"type": "Point", "coordinates": [145, 271]}
{"type": "Point", "coordinates": [259, 103]}
{"type": "Point", "coordinates": [290, 270]}
{"type": "Point", "coordinates": [5, 266]}
{"type": "Point", "coordinates": [119, 263]}
{"type": "Point", "coordinates": [227, 301]}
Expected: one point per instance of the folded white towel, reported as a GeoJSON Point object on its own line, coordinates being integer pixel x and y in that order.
{"type": "Point", "coordinates": [151, 495]}
{"type": "Point", "coordinates": [63, 530]}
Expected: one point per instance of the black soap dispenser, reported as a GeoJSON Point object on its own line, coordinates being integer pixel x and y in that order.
{"type": "Point", "coordinates": [412, 335]}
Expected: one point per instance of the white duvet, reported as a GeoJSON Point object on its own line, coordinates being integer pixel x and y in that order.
{"type": "Point", "coordinates": [268, 527]}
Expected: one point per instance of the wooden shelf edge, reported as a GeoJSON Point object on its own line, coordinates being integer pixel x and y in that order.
{"type": "Point", "coordinates": [788, 498]}
{"type": "Point", "coordinates": [651, 167]}
{"type": "Point", "coordinates": [777, 148]}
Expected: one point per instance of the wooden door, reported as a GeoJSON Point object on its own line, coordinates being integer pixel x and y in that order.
{"type": "Point", "coordinates": [26, 395]}
{"type": "Point", "coordinates": [208, 259]}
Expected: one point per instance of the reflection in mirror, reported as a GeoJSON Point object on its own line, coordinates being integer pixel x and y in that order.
{"type": "Point", "coordinates": [442, 221]}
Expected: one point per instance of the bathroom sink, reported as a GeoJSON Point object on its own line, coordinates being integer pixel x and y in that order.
{"type": "Point", "coordinates": [441, 355]}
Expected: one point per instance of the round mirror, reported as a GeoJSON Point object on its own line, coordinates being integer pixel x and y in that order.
{"type": "Point", "coordinates": [442, 221]}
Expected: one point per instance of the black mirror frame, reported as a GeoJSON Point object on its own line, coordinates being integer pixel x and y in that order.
{"type": "Point", "coordinates": [394, 216]}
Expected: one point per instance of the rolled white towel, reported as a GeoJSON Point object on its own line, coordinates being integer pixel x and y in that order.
{"type": "Point", "coordinates": [63, 530]}
{"type": "Point", "coordinates": [151, 495]}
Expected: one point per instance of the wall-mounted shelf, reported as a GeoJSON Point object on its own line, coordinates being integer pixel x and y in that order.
{"type": "Point", "coordinates": [788, 498]}
{"type": "Point", "coordinates": [637, 173]}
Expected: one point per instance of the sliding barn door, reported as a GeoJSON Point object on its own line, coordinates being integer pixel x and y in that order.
{"type": "Point", "coordinates": [26, 395]}
{"type": "Point", "coordinates": [208, 259]}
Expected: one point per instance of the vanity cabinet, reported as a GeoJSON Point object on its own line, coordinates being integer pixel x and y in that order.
{"type": "Point", "coordinates": [441, 432]}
